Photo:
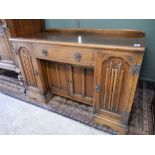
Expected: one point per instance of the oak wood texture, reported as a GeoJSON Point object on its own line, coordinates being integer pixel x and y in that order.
{"type": "Point", "coordinates": [22, 27]}
{"type": "Point", "coordinates": [111, 39]}
{"type": "Point", "coordinates": [15, 28]}
{"type": "Point", "coordinates": [64, 54]}
{"type": "Point", "coordinates": [99, 71]}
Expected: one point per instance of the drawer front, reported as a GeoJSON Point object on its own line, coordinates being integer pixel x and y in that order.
{"type": "Point", "coordinates": [73, 55]}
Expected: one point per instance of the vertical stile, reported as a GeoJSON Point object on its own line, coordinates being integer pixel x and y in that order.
{"type": "Point", "coordinates": [70, 80]}
{"type": "Point", "coordinates": [83, 81]}
{"type": "Point", "coordinates": [57, 74]}
{"type": "Point", "coordinates": [67, 77]}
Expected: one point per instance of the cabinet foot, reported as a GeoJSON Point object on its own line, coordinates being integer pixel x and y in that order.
{"type": "Point", "coordinates": [117, 126]}
{"type": "Point", "coordinates": [37, 95]}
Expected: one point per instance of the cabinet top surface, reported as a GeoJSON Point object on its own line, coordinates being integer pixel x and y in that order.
{"type": "Point", "coordinates": [99, 38]}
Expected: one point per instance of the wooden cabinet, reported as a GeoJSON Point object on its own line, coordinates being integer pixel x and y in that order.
{"type": "Point", "coordinates": [102, 71]}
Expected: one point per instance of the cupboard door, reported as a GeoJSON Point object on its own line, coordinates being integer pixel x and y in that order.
{"type": "Point", "coordinates": [56, 75]}
{"type": "Point", "coordinates": [26, 66]}
{"type": "Point", "coordinates": [113, 84]}
{"type": "Point", "coordinates": [81, 83]}
{"type": "Point", "coordinates": [59, 78]}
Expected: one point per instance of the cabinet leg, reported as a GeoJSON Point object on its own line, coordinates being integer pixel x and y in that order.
{"type": "Point", "coordinates": [35, 93]}
{"type": "Point", "coordinates": [117, 126]}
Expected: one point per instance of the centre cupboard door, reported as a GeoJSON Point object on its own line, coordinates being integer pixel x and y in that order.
{"type": "Point", "coordinates": [56, 75]}
{"type": "Point", "coordinates": [113, 84]}
{"type": "Point", "coordinates": [68, 80]}
{"type": "Point", "coordinates": [81, 83]}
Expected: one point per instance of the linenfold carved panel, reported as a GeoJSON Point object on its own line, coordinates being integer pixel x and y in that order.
{"type": "Point", "coordinates": [114, 73]}
{"type": "Point", "coordinates": [26, 62]}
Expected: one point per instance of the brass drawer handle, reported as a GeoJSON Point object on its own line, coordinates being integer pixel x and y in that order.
{"type": "Point", "coordinates": [44, 52]}
{"type": "Point", "coordinates": [77, 56]}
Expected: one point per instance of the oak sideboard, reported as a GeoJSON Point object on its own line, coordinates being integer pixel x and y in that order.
{"type": "Point", "coordinates": [92, 66]}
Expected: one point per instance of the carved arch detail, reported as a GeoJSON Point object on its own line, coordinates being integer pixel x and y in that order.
{"type": "Point", "coordinates": [128, 59]}
{"type": "Point", "coordinates": [27, 66]}
{"type": "Point", "coordinates": [114, 70]}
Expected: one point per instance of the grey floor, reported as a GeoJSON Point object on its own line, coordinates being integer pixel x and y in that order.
{"type": "Point", "coordinates": [18, 117]}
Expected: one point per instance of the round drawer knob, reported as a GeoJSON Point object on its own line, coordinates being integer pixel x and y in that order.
{"type": "Point", "coordinates": [77, 56]}
{"type": "Point", "coordinates": [44, 52]}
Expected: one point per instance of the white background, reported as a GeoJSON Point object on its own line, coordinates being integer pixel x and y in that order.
{"type": "Point", "coordinates": [77, 145]}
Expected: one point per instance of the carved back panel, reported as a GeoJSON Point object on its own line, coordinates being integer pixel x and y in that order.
{"type": "Point", "coordinates": [27, 66]}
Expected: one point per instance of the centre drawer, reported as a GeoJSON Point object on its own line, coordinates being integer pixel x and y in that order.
{"type": "Point", "coordinates": [73, 55]}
